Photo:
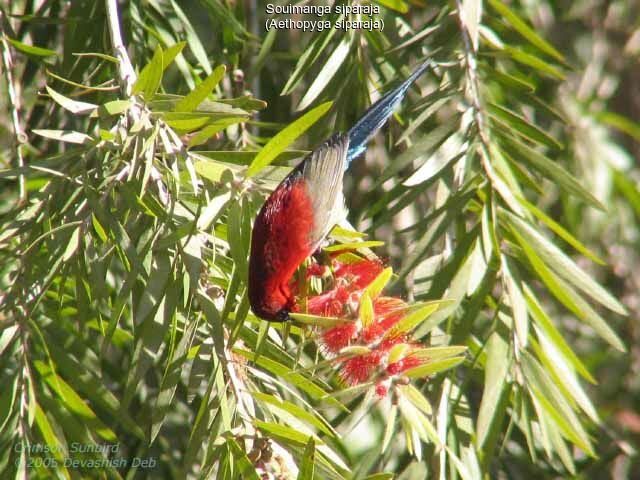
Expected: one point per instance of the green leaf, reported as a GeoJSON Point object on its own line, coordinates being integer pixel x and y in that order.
{"type": "Point", "coordinates": [283, 432]}
{"type": "Point", "coordinates": [523, 126]}
{"type": "Point", "coordinates": [554, 171]}
{"type": "Point", "coordinates": [299, 413]}
{"type": "Point", "coordinates": [397, 5]}
{"type": "Point", "coordinates": [328, 71]}
{"type": "Point", "coordinates": [195, 45]}
{"type": "Point", "coordinates": [73, 402]}
{"type": "Point", "coordinates": [436, 353]}
{"type": "Point", "coordinates": [202, 91]}
{"type": "Point", "coordinates": [534, 62]}
{"type": "Point", "coordinates": [434, 367]}
{"type": "Point", "coordinates": [523, 29]}
{"type": "Point", "coordinates": [565, 266]}
{"type": "Point", "coordinates": [150, 78]}
{"type": "Point", "coordinates": [374, 289]}
{"type": "Point", "coordinates": [55, 446]}
{"type": "Point", "coordinates": [389, 429]}
{"type": "Point", "coordinates": [244, 466]}
{"type": "Point", "coordinates": [212, 128]}
{"type": "Point", "coordinates": [211, 170]}
{"type": "Point", "coordinates": [415, 318]}
{"type": "Point", "coordinates": [307, 467]}
{"type": "Point", "coordinates": [7, 336]}
{"type": "Point", "coordinates": [492, 406]}
{"type": "Point", "coordinates": [565, 294]}
{"type": "Point", "coordinates": [517, 303]}
{"type": "Point", "coordinates": [32, 50]}
{"type": "Point", "coordinates": [286, 137]}
{"type": "Point", "coordinates": [365, 312]}
{"type": "Point", "coordinates": [543, 321]}
{"type": "Point", "coordinates": [554, 403]}
{"type": "Point", "coordinates": [621, 123]}
{"type": "Point", "coordinates": [338, 247]}
{"type": "Point", "coordinates": [115, 107]}
{"type": "Point", "coordinates": [628, 189]}
{"type": "Point", "coordinates": [318, 320]}
{"type": "Point", "coordinates": [560, 231]}
{"type": "Point", "coordinates": [74, 106]}
{"type": "Point", "coordinates": [65, 136]}
{"type": "Point", "coordinates": [171, 53]}
{"type": "Point", "coordinates": [310, 55]}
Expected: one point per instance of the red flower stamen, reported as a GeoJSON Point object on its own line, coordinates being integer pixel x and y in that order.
{"type": "Point", "coordinates": [342, 300]}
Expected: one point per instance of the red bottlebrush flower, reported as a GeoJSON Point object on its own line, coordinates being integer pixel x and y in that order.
{"type": "Point", "coordinates": [404, 364]}
{"type": "Point", "coordinates": [382, 389]}
{"type": "Point", "coordinates": [360, 273]}
{"type": "Point", "coordinates": [388, 311]}
{"type": "Point", "coordinates": [337, 338]}
{"type": "Point", "coordinates": [374, 329]}
{"type": "Point", "coordinates": [360, 369]}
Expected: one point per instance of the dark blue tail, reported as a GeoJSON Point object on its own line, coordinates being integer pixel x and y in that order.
{"type": "Point", "coordinates": [377, 115]}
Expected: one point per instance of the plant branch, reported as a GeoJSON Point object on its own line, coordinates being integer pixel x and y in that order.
{"type": "Point", "coordinates": [14, 105]}
{"type": "Point", "coordinates": [126, 73]}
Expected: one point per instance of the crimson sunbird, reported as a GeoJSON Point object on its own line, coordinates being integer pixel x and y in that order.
{"type": "Point", "coordinates": [305, 206]}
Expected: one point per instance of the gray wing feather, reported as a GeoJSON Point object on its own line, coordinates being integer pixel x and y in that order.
{"type": "Point", "coordinates": [323, 171]}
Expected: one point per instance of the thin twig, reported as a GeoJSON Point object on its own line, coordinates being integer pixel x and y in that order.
{"type": "Point", "coordinates": [14, 105]}
{"type": "Point", "coordinates": [126, 72]}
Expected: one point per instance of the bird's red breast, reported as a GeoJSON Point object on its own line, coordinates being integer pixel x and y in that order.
{"type": "Point", "coordinates": [280, 243]}
{"type": "Point", "coordinates": [293, 221]}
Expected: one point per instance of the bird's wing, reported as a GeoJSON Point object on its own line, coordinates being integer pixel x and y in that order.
{"type": "Point", "coordinates": [323, 171]}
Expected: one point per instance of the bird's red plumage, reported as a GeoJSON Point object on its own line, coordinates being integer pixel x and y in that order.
{"type": "Point", "coordinates": [280, 243]}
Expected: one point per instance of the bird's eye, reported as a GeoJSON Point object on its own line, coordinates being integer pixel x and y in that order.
{"type": "Point", "coordinates": [283, 315]}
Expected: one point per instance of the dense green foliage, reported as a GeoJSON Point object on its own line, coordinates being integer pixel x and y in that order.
{"type": "Point", "coordinates": [505, 186]}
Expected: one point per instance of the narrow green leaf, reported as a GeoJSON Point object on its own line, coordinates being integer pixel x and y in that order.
{"type": "Point", "coordinates": [74, 106]}
{"type": "Point", "coordinates": [497, 367]}
{"type": "Point", "coordinates": [243, 466]}
{"type": "Point", "coordinates": [543, 321]}
{"type": "Point", "coordinates": [171, 53]}
{"type": "Point", "coordinates": [554, 171]}
{"type": "Point", "coordinates": [534, 62]}
{"type": "Point", "coordinates": [73, 402]}
{"type": "Point", "coordinates": [328, 71]}
{"type": "Point", "coordinates": [375, 288]}
{"type": "Point", "coordinates": [523, 126]}
{"type": "Point", "coordinates": [318, 320]}
{"type": "Point", "coordinates": [7, 336]}
{"type": "Point", "coordinates": [307, 415]}
{"type": "Point", "coordinates": [621, 123]}
{"type": "Point", "coordinates": [286, 137]}
{"type": "Point", "coordinates": [554, 403]}
{"type": "Point", "coordinates": [195, 45]}
{"type": "Point", "coordinates": [434, 367]}
{"type": "Point", "coordinates": [56, 447]}
{"type": "Point", "coordinates": [523, 29]}
{"type": "Point", "coordinates": [389, 429]}
{"type": "Point", "coordinates": [568, 297]}
{"type": "Point", "coordinates": [307, 467]}
{"type": "Point", "coordinates": [560, 231]}
{"type": "Point", "coordinates": [353, 246]}
{"type": "Point", "coordinates": [397, 5]}
{"type": "Point", "coordinates": [517, 303]}
{"type": "Point", "coordinates": [149, 79]}
{"type": "Point", "coordinates": [415, 318]}
{"type": "Point", "coordinates": [365, 312]}
{"type": "Point", "coordinates": [212, 128]}
{"type": "Point", "coordinates": [32, 50]}
{"type": "Point", "coordinates": [202, 91]}
{"type": "Point", "coordinates": [565, 266]}
{"type": "Point", "coordinates": [65, 136]}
